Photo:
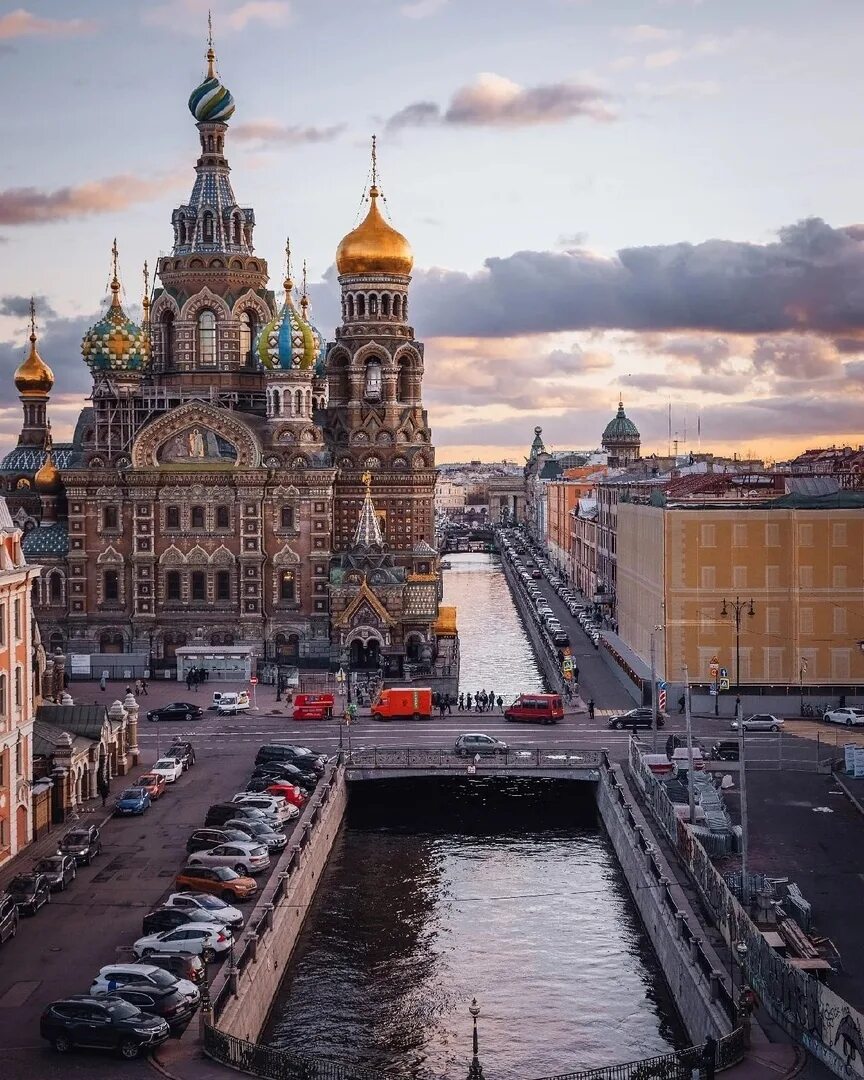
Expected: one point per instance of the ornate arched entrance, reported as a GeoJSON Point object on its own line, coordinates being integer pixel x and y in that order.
{"type": "Point", "coordinates": [287, 648]}
{"type": "Point", "coordinates": [171, 642]}
{"type": "Point", "coordinates": [111, 641]}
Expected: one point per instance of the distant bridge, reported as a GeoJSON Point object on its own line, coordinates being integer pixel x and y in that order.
{"type": "Point", "coordinates": [554, 763]}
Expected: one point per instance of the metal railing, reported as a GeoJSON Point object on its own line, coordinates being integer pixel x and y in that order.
{"type": "Point", "coordinates": [420, 758]}
{"type": "Point", "coordinates": [272, 1063]}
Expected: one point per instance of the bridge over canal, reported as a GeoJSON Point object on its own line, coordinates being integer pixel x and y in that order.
{"type": "Point", "coordinates": [554, 763]}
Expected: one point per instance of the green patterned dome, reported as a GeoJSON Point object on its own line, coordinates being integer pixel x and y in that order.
{"type": "Point", "coordinates": [620, 427]}
{"type": "Point", "coordinates": [211, 102]}
{"type": "Point", "coordinates": [289, 342]}
{"type": "Point", "coordinates": [115, 343]}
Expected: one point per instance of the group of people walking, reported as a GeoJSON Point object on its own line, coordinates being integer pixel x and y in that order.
{"type": "Point", "coordinates": [195, 676]}
{"type": "Point", "coordinates": [484, 701]}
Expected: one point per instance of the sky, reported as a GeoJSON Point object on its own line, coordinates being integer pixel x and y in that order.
{"type": "Point", "coordinates": [654, 198]}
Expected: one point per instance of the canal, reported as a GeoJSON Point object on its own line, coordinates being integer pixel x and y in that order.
{"type": "Point", "coordinates": [443, 890]}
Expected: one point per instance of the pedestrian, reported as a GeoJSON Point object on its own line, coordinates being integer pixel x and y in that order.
{"type": "Point", "coordinates": [128, 689]}
{"type": "Point", "coordinates": [500, 703]}
{"type": "Point", "coordinates": [670, 747]}
{"type": "Point", "coordinates": [188, 680]}
{"type": "Point", "coordinates": [682, 701]}
{"type": "Point", "coordinates": [102, 683]}
{"type": "Point", "coordinates": [137, 688]}
{"type": "Point", "coordinates": [591, 708]}
{"type": "Point", "coordinates": [144, 687]}
{"type": "Point", "coordinates": [484, 699]}
{"type": "Point", "coordinates": [576, 675]}
{"type": "Point", "coordinates": [491, 700]}
{"type": "Point", "coordinates": [449, 702]}
{"type": "Point", "coordinates": [441, 706]}
{"type": "Point", "coordinates": [103, 788]}
{"type": "Point", "coordinates": [468, 702]}
{"type": "Point", "coordinates": [462, 702]}
{"type": "Point", "coordinates": [709, 1057]}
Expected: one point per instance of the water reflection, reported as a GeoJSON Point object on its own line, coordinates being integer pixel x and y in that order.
{"type": "Point", "coordinates": [504, 891]}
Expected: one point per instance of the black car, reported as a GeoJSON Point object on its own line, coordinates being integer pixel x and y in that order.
{"type": "Point", "coordinates": [257, 830]}
{"type": "Point", "coordinates": [107, 1023]}
{"type": "Point", "coordinates": [29, 891]}
{"type": "Point", "coordinates": [60, 871]}
{"type": "Point", "coordinates": [640, 718]}
{"type": "Point", "coordinates": [169, 918]}
{"type": "Point", "coordinates": [300, 756]}
{"type": "Point", "coordinates": [284, 770]}
{"type": "Point", "coordinates": [204, 839]}
{"type": "Point", "coordinates": [83, 843]}
{"type": "Point", "coordinates": [725, 750]}
{"type": "Point", "coordinates": [182, 965]}
{"type": "Point", "coordinates": [177, 710]}
{"type": "Point", "coordinates": [182, 751]}
{"type": "Point", "coordinates": [173, 1006]}
{"type": "Point", "coordinates": [8, 918]}
{"type": "Point", "coordinates": [219, 813]}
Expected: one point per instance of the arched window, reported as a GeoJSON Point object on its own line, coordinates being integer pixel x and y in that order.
{"type": "Point", "coordinates": [298, 402]}
{"type": "Point", "coordinates": [111, 586]}
{"type": "Point", "coordinates": [277, 402]}
{"type": "Point", "coordinates": [167, 340]}
{"type": "Point", "coordinates": [403, 391]}
{"type": "Point", "coordinates": [19, 685]}
{"type": "Point", "coordinates": [350, 307]}
{"type": "Point", "coordinates": [361, 306]}
{"type": "Point", "coordinates": [207, 227]}
{"type": "Point", "coordinates": [223, 584]}
{"type": "Point", "coordinates": [373, 380]}
{"type": "Point", "coordinates": [287, 585]}
{"type": "Point", "coordinates": [210, 143]}
{"type": "Point", "coordinates": [196, 517]}
{"type": "Point", "coordinates": [238, 230]}
{"type": "Point", "coordinates": [172, 517]}
{"type": "Point", "coordinates": [181, 231]}
{"type": "Point", "coordinates": [207, 338]}
{"type": "Point", "coordinates": [385, 305]}
{"type": "Point", "coordinates": [247, 338]}
{"type": "Point", "coordinates": [55, 589]}
{"type": "Point", "coordinates": [373, 304]}
{"type": "Point", "coordinates": [286, 517]}
{"type": "Point", "coordinates": [223, 517]}
{"type": "Point", "coordinates": [172, 585]}
{"type": "Point", "coordinates": [199, 586]}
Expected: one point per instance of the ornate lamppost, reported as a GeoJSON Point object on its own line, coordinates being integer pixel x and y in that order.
{"type": "Point", "coordinates": [475, 1072]}
{"type": "Point", "coordinates": [738, 608]}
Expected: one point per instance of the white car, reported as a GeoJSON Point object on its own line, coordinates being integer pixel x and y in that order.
{"type": "Point", "coordinates": [231, 704]}
{"type": "Point", "coordinates": [849, 717]}
{"type": "Point", "coordinates": [272, 805]}
{"type": "Point", "coordinates": [246, 858]}
{"type": "Point", "coordinates": [207, 908]}
{"type": "Point", "coordinates": [113, 975]}
{"type": "Point", "coordinates": [206, 940]}
{"type": "Point", "coordinates": [168, 767]}
{"type": "Point", "coordinates": [759, 722]}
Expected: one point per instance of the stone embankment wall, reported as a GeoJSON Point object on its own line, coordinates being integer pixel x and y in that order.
{"type": "Point", "coordinates": [548, 664]}
{"type": "Point", "coordinates": [691, 966]}
{"type": "Point", "coordinates": [243, 995]}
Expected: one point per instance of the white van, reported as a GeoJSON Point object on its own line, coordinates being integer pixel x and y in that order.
{"type": "Point", "coordinates": [231, 704]}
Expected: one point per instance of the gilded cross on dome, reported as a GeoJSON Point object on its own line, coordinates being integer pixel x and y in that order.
{"type": "Point", "coordinates": [367, 481]}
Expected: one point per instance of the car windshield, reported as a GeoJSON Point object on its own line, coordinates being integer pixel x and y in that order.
{"type": "Point", "coordinates": [75, 838]}
{"type": "Point", "coordinates": [165, 763]}
{"type": "Point", "coordinates": [131, 793]}
{"type": "Point", "coordinates": [122, 1010]}
{"type": "Point", "coordinates": [161, 978]}
{"type": "Point", "coordinates": [150, 778]}
{"type": "Point", "coordinates": [50, 865]}
{"type": "Point", "coordinates": [21, 881]}
{"type": "Point", "coordinates": [224, 874]}
{"type": "Point", "coordinates": [211, 903]}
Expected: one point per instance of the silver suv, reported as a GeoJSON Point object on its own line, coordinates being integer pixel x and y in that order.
{"type": "Point", "coordinates": [476, 743]}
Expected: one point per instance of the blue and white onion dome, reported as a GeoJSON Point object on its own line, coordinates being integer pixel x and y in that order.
{"type": "Point", "coordinates": [115, 343]}
{"type": "Point", "coordinates": [211, 102]}
{"type": "Point", "coordinates": [289, 342]}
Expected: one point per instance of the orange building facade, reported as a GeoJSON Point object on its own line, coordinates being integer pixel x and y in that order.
{"type": "Point", "coordinates": [562, 499]}
{"type": "Point", "coordinates": [17, 707]}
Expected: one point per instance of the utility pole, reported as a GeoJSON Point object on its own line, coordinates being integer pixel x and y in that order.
{"type": "Point", "coordinates": [690, 789]}
{"type": "Point", "coordinates": [738, 608]}
{"type": "Point", "coordinates": [653, 694]}
{"type": "Point", "coordinates": [742, 781]}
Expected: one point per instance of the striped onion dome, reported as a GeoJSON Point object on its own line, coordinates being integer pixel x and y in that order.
{"type": "Point", "coordinates": [289, 342]}
{"type": "Point", "coordinates": [211, 102]}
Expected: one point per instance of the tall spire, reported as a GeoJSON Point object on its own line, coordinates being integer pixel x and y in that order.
{"type": "Point", "coordinates": [288, 282]}
{"type": "Point", "coordinates": [211, 55]}
{"type": "Point", "coordinates": [34, 378]}
{"type": "Point", "coordinates": [145, 303]}
{"type": "Point", "coordinates": [304, 299]}
{"type": "Point", "coordinates": [115, 279]}
{"type": "Point", "coordinates": [368, 532]}
{"type": "Point", "coordinates": [373, 190]}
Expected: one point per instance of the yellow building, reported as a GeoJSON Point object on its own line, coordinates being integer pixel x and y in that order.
{"type": "Point", "coordinates": [800, 561]}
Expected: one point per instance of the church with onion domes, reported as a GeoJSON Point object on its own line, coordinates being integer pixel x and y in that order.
{"type": "Point", "coordinates": [234, 479]}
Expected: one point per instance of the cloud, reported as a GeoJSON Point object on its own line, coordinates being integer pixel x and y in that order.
{"type": "Point", "coordinates": [688, 88]}
{"type": "Point", "coordinates": [19, 307]}
{"type": "Point", "coordinates": [271, 132]}
{"type": "Point", "coordinates": [664, 58]}
{"type": "Point", "coordinates": [422, 9]}
{"type": "Point", "coordinates": [22, 23]}
{"type": "Point", "coordinates": [810, 279]}
{"type": "Point", "coordinates": [270, 12]}
{"type": "Point", "coordinates": [493, 101]}
{"type": "Point", "coordinates": [190, 16]}
{"type": "Point", "coordinates": [644, 32]}
{"type": "Point", "coordinates": [796, 356]}
{"type": "Point", "coordinates": [31, 206]}
{"type": "Point", "coordinates": [60, 347]}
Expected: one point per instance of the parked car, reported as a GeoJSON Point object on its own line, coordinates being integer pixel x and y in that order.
{"type": "Point", "coordinates": [759, 722]}
{"type": "Point", "coordinates": [170, 768]}
{"type": "Point", "coordinates": [641, 718]}
{"type": "Point", "coordinates": [246, 857]}
{"type": "Point", "coordinates": [273, 806]}
{"type": "Point", "coordinates": [285, 790]}
{"type": "Point", "coordinates": [182, 965]}
{"type": "Point", "coordinates": [105, 1024]}
{"type": "Point", "coordinates": [153, 783]}
{"type": "Point", "coordinates": [218, 880]}
{"type": "Point", "coordinates": [220, 813]}
{"type": "Point", "coordinates": [476, 743]}
{"type": "Point", "coordinates": [184, 752]}
{"type": "Point", "coordinates": [8, 918]}
{"type": "Point", "coordinates": [284, 770]}
{"type": "Point", "coordinates": [210, 906]}
{"type": "Point", "coordinates": [134, 800]}
{"type": "Point", "coordinates": [58, 870]}
{"type": "Point", "coordinates": [850, 717]}
{"type": "Point", "coordinates": [725, 750]}
{"type": "Point", "coordinates": [301, 756]}
{"type": "Point", "coordinates": [257, 830]}
{"type": "Point", "coordinates": [231, 704]}
{"type": "Point", "coordinates": [201, 939]}
{"type": "Point", "coordinates": [164, 919]}
{"type": "Point", "coordinates": [114, 975]}
{"type": "Point", "coordinates": [30, 891]}
{"type": "Point", "coordinates": [204, 839]}
{"type": "Point", "coordinates": [177, 710]}
{"type": "Point", "coordinates": [536, 708]}
{"type": "Point", "coordinates": [168, 1004]}
{"type": "Point", "coordinates": [83, 843]}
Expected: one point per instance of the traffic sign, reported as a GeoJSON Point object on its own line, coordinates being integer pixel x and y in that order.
{"type": "Point", "coordinates": [567, 663]}
{"type": "Point", "coordinates": [713, 691]}
{"type": "Point", "coordinates": [661, 699]}
{"type": "Point", "coordinates": [661, 684]}
{"type": "Point", "coordinates": [724, 673]}
{"type": "Point", "coordinates": [715, 659]}
{"type": "Point", "coordinates": [713, 669]}
{"type": "Point", "coordinates": [254, 680]}
{"type": "Point", "coordinates": [724, 684]}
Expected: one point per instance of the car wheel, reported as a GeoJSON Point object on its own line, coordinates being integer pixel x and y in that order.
{"type": "Point", "coordinates": [129, 1049]}
{"type": "Point", "coordinates": [147, 952]}
{"type": "Point", "coordinates": [416, 716]}
{"type": "Point", "coordinates": [774, 727]}
{"type": "Point", "coordinates": [848, 723]}
{"type": "Point", "coordinates": [228, 897]}
{"type": "Point", "coordinates": [377, 716]}
{"type": "Point", "coordinates": [188, 717]}
{"type": "Point", "coordinates": [240, 869]}
{"type": "Point", "coordinates": [62, 1044]}
{"type": "Point", "coordinates": [617, 725]}
{"type": "Point", "coordinates": [208, 955]}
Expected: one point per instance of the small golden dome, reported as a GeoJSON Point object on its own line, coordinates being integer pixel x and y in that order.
{"type": "Point", "coordinates": [47, 478]}
{"type": "Point", "coordinates": [33, 377]}
{"type": "Point", "coordinates": [374, 247]}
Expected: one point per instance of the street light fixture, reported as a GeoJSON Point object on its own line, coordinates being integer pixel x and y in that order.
{"type": "Point", "coordinates": [738, 608]}
{"type": "Point", "coordinates": [475, 1072]}
{"type": "Point", "coordinates": [656, 630]}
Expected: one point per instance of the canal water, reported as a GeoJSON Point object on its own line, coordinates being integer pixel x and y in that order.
{"type": "Point", "coordinates": [445, 890]}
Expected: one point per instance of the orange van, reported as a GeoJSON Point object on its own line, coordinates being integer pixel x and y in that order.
{"type": "Point", "coordinates": [403, 704]}
{"type": "Point", "coordinates": [313, 707]}
{"type": "Point", "coordinates": [536, 709]}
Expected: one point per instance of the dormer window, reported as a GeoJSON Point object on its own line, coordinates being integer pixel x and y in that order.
{"type": "Point", "coordinates": [207, 227]}
{"type": "Point", "coordinates": [207, 339]}
{"type": "Point", "coordinates": [373, 381]}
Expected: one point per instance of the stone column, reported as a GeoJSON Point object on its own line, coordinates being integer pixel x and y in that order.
{"type": "Point", "coordinates": [132, 708]}
{"type": "Point", "coordinates": [118, 714]}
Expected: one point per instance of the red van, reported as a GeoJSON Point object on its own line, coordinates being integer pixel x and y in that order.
{"type": "Point", "coordinates": [313, 707]}
{"type": "Point", "coordinates": [536, 709]}
{"type": "Point", "coordinates": [403, 703]}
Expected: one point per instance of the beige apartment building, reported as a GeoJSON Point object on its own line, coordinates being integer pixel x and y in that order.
{"type": "Point", "coordinates": [801, 561]}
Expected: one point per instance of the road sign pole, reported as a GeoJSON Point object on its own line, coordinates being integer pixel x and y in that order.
{"type": "Point", "coordinates": [717, 695]}
{"type": "Point", "coordinates": [653, 695]}
{"type": "Point", "coordinates": [690, 788]}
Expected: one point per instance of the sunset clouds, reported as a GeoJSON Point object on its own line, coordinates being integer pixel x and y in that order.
{"type": "Point", "coordinates": [31, 206]}
{"type": "Point", "coordinates": [22, 23]}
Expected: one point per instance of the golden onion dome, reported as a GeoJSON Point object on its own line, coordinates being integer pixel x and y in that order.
{"type": "Point", "coordinates": [34, 378]}
{"type": "Point", "coordinates": [47, 478]}
{"type": "Point", "coordinates": [374, 247]}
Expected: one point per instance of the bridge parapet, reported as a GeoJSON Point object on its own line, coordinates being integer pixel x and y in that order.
{"type": "Point", "coordinates": [540, 760]}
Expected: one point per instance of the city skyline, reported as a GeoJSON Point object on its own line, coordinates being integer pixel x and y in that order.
{"type": "Point", "coordinates": [655, 199]}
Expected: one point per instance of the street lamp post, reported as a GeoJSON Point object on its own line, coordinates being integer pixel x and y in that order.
{"type": "Point", "coordinates": [475, 1072]}
{"type": "Point", "coordinates": [654, 689]}
{"type": "Point", "coordinates": [738, 608]}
